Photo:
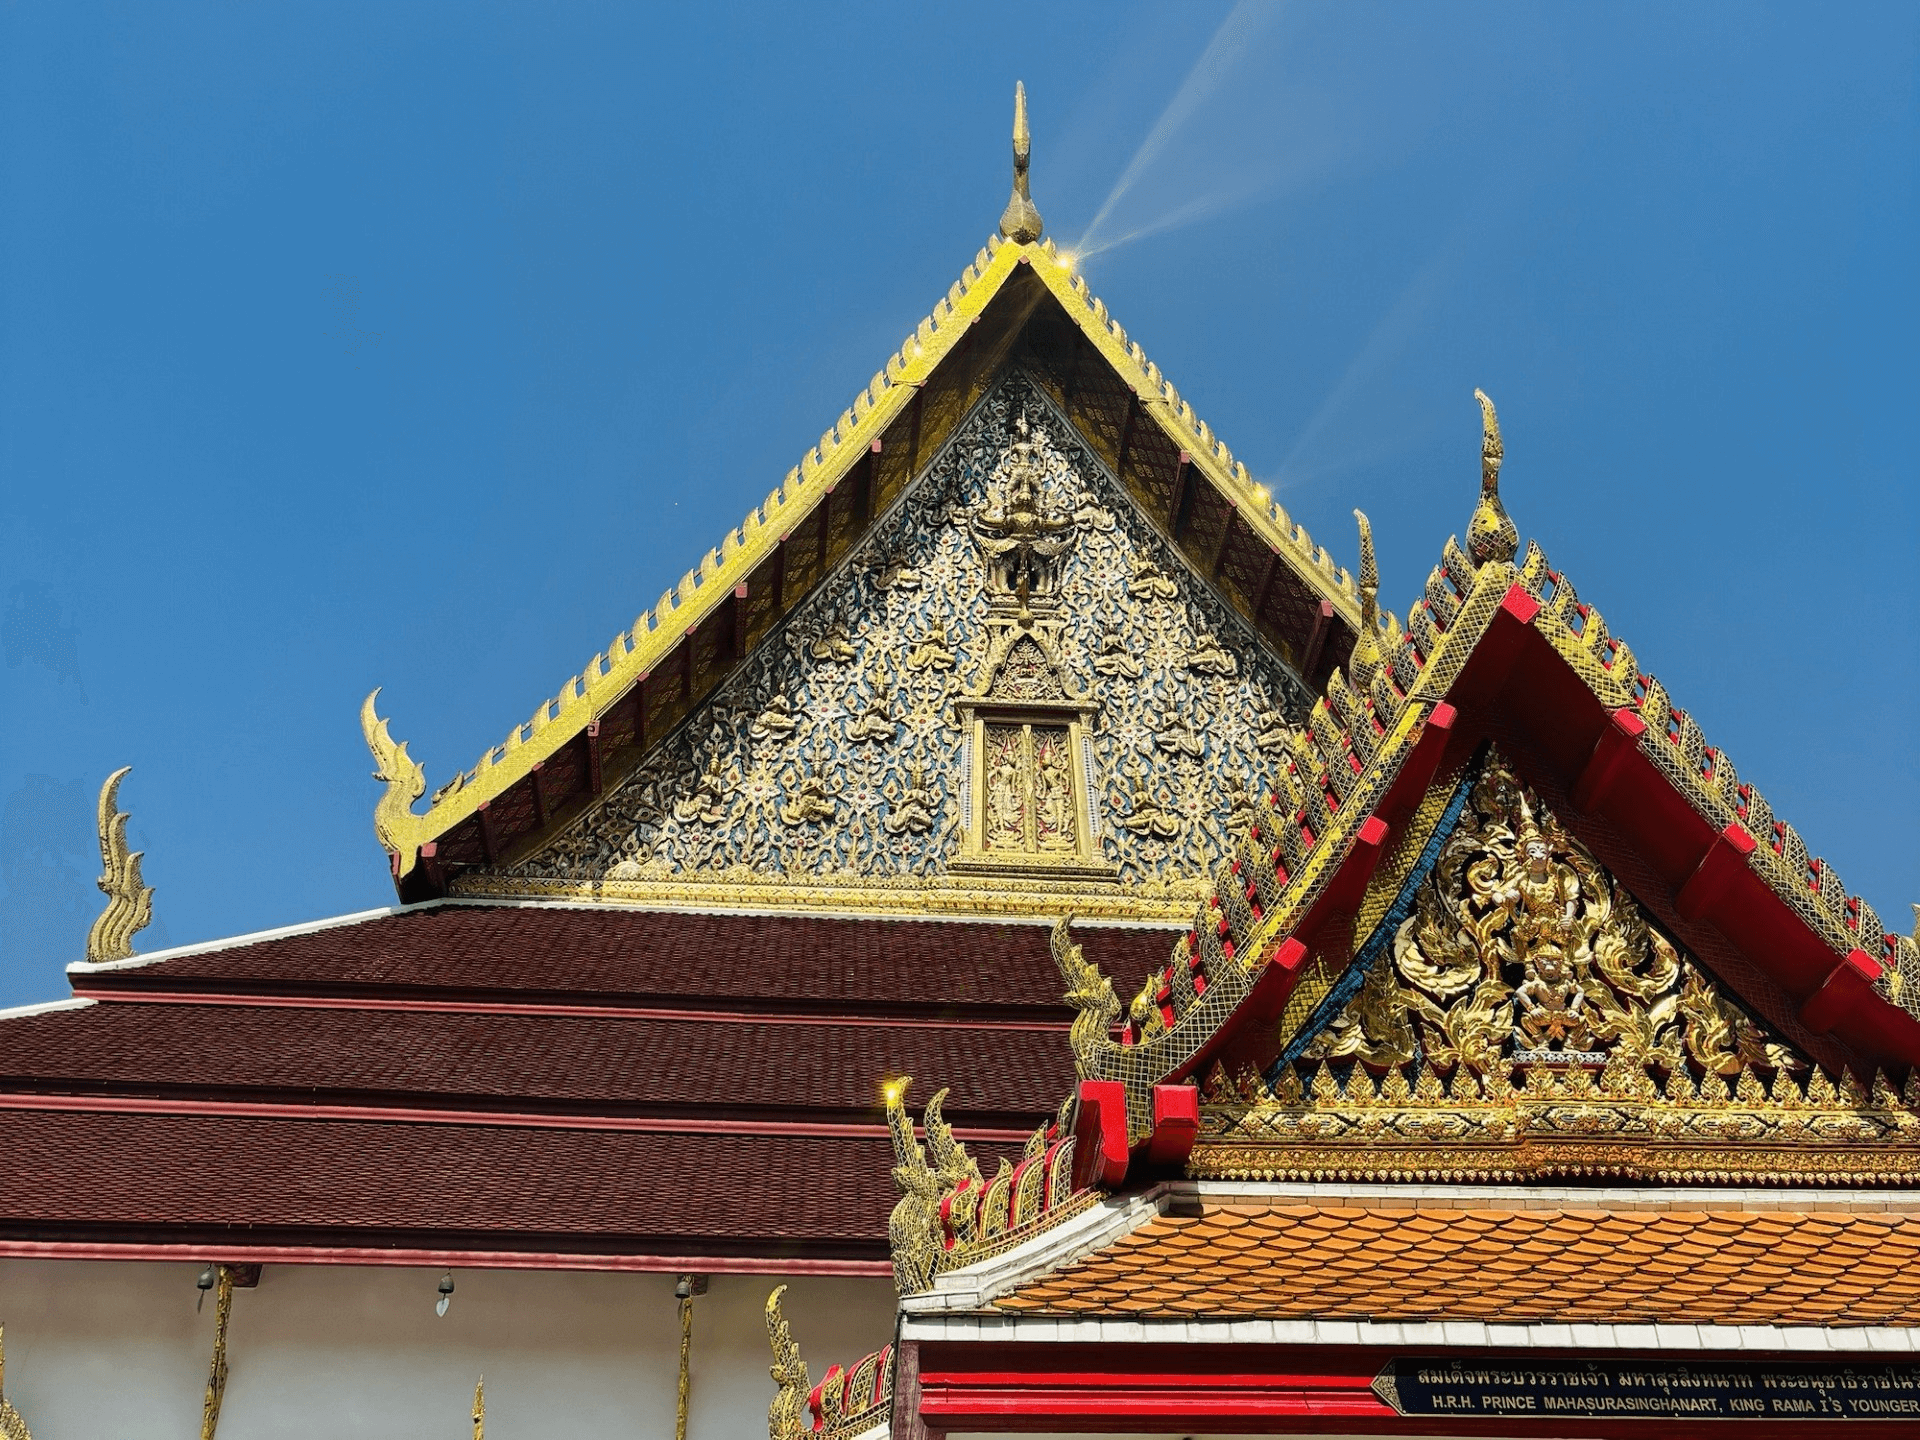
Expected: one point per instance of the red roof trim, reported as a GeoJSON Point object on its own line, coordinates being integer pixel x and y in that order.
{"type": "Point", "coordinates": [454, 1005]}
{"type": "Point", "coordinates": [420, 1115]}
{"type": "Point", "coordinates": [436, 1258]}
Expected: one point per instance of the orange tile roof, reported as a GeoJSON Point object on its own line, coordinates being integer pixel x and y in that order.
{"type": "Point", "coordinates": [1523, 1265]}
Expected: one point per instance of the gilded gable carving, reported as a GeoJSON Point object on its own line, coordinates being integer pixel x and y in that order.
{"type": "Point", "coordinates": [1014, 572]}
{"type": "Point", "coordinates": [1528, 1019]}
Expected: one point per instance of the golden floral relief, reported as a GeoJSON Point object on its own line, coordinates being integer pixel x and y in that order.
{"type": "Point", "coordinates": [1522, 950]}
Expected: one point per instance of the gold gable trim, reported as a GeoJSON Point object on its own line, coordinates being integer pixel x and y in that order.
{"type": "Point", "coordinates": [633, 654]}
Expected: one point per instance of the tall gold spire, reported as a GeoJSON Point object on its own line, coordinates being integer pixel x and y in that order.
{"type": "Point", "coordinates": [129, 901]}
{"type": "Point", "coordinates": [1490, 534]}
{"type": "Point", "coordinates": [1020, 221]}
{"type": "Point", "coordinates": [480, 1409]}
{"type": "Point", "coordinates": [1366, 645]}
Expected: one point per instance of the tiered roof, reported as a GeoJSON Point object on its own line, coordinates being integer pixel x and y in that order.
{"type": "Point", "coordinates": [531, 1085]}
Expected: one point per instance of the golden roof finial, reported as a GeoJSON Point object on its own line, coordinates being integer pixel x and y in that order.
{"type": "Point", "coordinates": [1366, 645]}
{"type": "Point", "coordinates": [1020, 222]}
{"type": "Point", "coordinates": [406, 782]}
{"type": "Point", "coordinates": [1491, 534]}
{"type": "Point", "coordinates": [129, 902]}
{"type": "Point", "coordinates": [480, 1409]}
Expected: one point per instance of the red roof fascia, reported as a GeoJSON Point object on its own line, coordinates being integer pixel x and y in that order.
{"type": "Point", "coordinates": [1240, 1389]}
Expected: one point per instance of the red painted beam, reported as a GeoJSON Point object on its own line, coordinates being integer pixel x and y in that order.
{"type": "Point", "coordinates": [537, 784]}
{"type": "Point", "coordinates": [590, 755]}
{"type": "Point", "coordinates": [780, 575]}
{"type": "Point", "coordinates": [1176, 1124]}
{"type": "Point", "coordinates": [1126, 436]}
{"type": "Point", "coordinates": [1182, 499]}
{"type": "Point", "coordinates": [1316, 640]}
{"type": "Point", "coordinates": [1714, 880]}
{"type": "Point", "coordinates": [1847, 987]}
{"type": "Point", "coordinates": [1266, 585]}
{"type": "Point", "coordinates": [740, 622]}
{"type": "Point", "coordinates": [489, 832]}
{"type": "Point", "coordinates": [1610, 751]}
{"type": "Point", "coordinates": [1100, 1134]}
{"type": "Point", "coordinates": [1226, 539]}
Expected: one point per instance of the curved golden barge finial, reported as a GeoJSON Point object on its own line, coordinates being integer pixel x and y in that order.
{"type": "Point", "coordinates": [1491, 534]}
{"type": "Point", "coordinates": [1020, 222]}
{"type": "Point", "coordinates": [129, 901]}
{"type": "Point", "coordinates": [406, 782]}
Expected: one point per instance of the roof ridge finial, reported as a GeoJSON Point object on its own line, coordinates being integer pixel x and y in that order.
{"type": "Point", "coordinates": [129, 898]}
{"type": "Point", "coordinates": [1366, 645]}
{"type": "Point", "coordinates": [1020, 222]}
{"type": "Point", "coordinates": [1491, 534]}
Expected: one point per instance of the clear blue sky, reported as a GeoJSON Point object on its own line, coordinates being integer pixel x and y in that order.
{"type": "Point", "coordinates": [424, 345]}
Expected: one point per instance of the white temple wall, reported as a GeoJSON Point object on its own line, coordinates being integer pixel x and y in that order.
{"type": "Point", "coordinates": [115, 1351]}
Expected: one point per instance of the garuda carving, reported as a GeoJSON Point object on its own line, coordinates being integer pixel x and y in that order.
{"type": "Point", "coordinates": [1522, 950]}
{"type": "Point", "coordinates": [1021, 543]}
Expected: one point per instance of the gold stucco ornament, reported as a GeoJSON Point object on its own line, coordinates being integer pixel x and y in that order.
{"type": "Point", "coordinates": [1020, 222]}
{"type": "Point", "coordinates": [406, 782]}
{"type": "Point", "coordinates": [1491, 534]}
{"type": "Point", "coordinates": [129, 901]}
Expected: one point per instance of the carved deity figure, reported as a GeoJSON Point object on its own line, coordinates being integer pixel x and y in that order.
{"type": "Point", "coordinates": [776, 722]}
{"type": "Point", "coordinates": [1180, 738]}
{"type": "Point", "coordinates": [1006, 792]}
{"type": "Point", "coordinates": [1242, 802]}
{"type": "Point", "coordinates": [1053, 791]}
{"type": "Point", "coordinates": [1274, 733]}
{"type": "Point", "coordinates": [896, 575]}
{"type": "Point", "coordinates": [1551, 1010]}
{"type": "Point", "coordinates": [833, 646]}
{"type": "Point", "coordinates": [1147, 582]}
{"type": "Point", "coordinates": [1145, 815]}
{"type": "Point", "coordinates": [1114, 659]}
{"type": "Point", "coordinates": [932, 653]}
{"type": "Point", "coordinates": [873, 722]}
{"type": "Point", "coordinates": [1022, 543]}
{"type": "Point", "coordinates": [809, 804]}
{"type": "Point", "coordinates": [1209, 659]}
{"type": "Point", "coordinates": [913, 811]}
{"type": "Point", "coordinates": [708, 803]}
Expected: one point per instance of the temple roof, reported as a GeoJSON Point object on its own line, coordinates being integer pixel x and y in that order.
{"type": "Point", "coordinates": [532, 1084]}
{"type": "Point", "coordinates": [1437, 1258]}
{"type": "Point", "coordinates": [1017, 303]}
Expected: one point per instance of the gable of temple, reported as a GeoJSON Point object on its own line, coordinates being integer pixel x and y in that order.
{"type": "Point", "coordinates": [1276, 603]}
{"type": "Point", "coordinates": [1013, 693]}
{"type": "Point", "coordinates": [1500, 920]}
{"type": "Point", "coordinates": [1521, 1015]}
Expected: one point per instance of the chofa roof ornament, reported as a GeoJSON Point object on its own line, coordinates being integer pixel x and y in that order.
{"type": "Point", "coordinates": [1491, 534]}
{"type": "Point", "coordinates": [406, 782]}
{"type": "Point", "coordinates": [1020, 222]}
{"type": "Point", "coordinates": [129, 900]}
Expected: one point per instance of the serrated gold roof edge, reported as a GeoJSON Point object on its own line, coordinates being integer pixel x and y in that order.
{"type": "Point", "coordinates": [634, 652]}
